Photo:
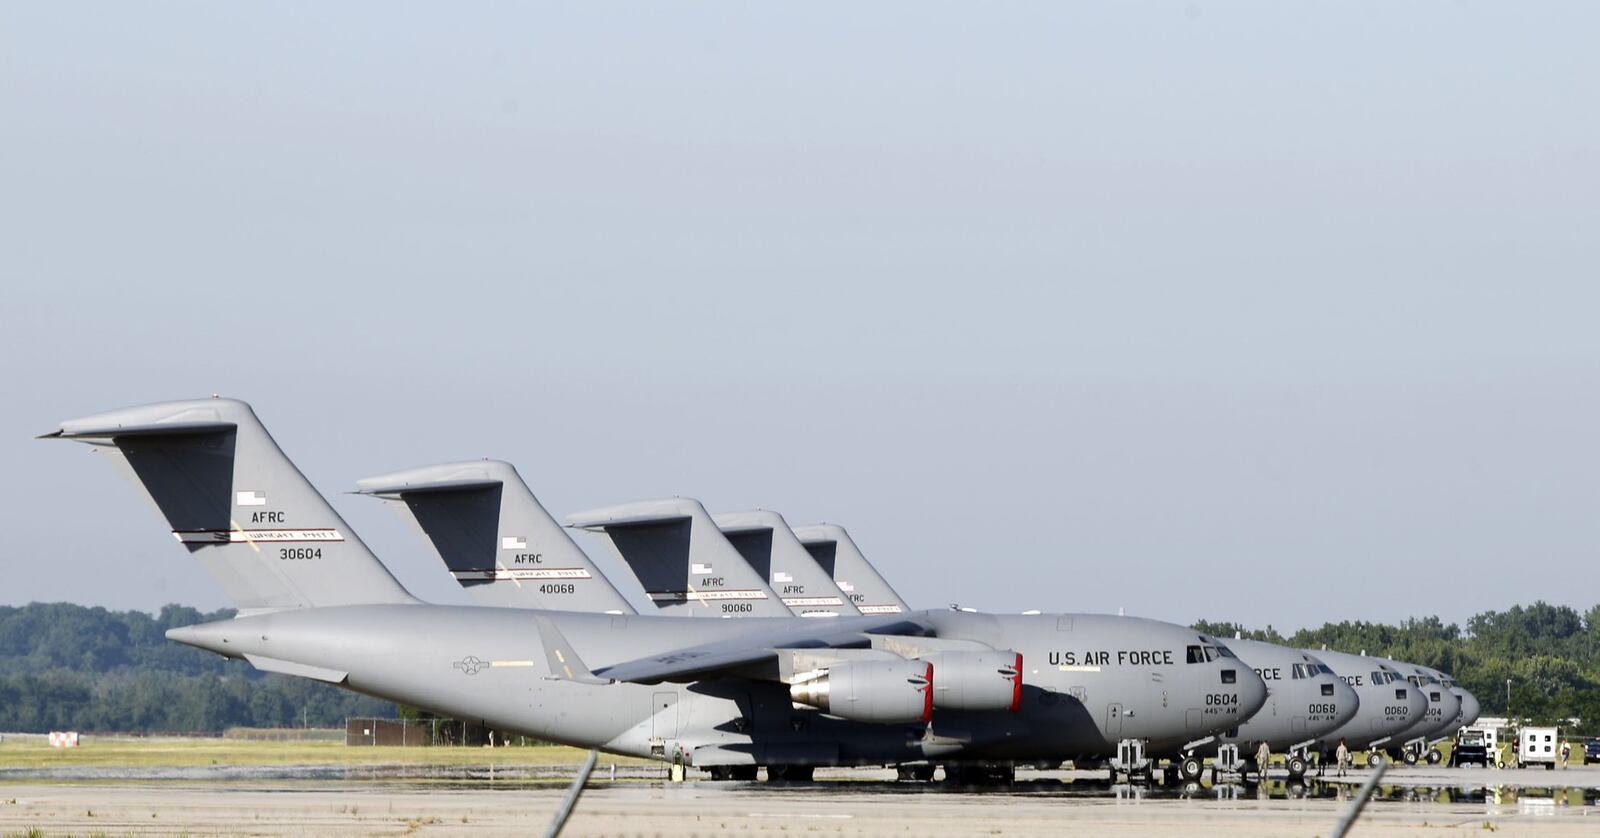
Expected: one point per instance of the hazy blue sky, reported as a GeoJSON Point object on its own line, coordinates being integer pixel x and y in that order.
{"type": "Point", "coordinates": [1281, 312]}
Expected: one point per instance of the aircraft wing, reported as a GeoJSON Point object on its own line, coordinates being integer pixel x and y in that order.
{"type": "Point", "coordinates": [755, 653]}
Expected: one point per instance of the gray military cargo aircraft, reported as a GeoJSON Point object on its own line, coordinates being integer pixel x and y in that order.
{"type": "Point", "coordinates": [496, 539]}
{"type": "Point", "coordinates": [936, 685]}
{"type": "Point", "coordinates": [1305, 700]}
{"type": "Point", "coordinates": [861, 583]}
{"type": "Point", "coordinates": [1437, 719]}
{"type": "Point", "coordinates": [770, 547]}
{"type": "Point", "coordinates": [1389, 706]}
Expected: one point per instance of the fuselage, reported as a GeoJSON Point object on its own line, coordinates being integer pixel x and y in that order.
{"type": "Point", "coordinates": [1089, 681]}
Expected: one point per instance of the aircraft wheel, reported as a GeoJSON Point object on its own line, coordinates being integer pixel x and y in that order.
{"type": "Point", "coordinates": [790, 773]}
{"type": "Point", "coordinates": [743, 773]}
{"type": "Point", "coordinates": [1434, 757]}
{"type": "Point", "coordinates": [719, 772]}
{"type": "Point", "coordinates": [1297, 767]}
{"type": "Point", "coordinates": [904, 773]}
{"type": "Point", "coordinates": [1409, 757]}
{"type": "Point", "coordinates": [1373, 759]}
{"type": "Point", "coordinates": [922, 773]}
{"type": "Point", "coordinates": [1191, 767]}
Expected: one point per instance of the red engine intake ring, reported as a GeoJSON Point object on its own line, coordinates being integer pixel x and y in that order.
{"type": "Point", "coordinates": [927, 698]}
{"type": "Point", "coordinates": [1016, 687]}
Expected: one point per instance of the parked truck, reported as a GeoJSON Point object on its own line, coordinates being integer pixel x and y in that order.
{"type": "Point", "coordinates": [1538, 746]}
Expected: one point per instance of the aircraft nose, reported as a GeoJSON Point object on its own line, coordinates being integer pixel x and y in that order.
{"type": "Point", "coordinates": [1252, 692]}
{"type": "Point", "coordinates": [1346, 699]}
{"type": "Point", "coordinates": [1469, 708]}
{"type": "Point", "coordinates": [1417, 704]}
{"type": "Point", "coordinates": [1449, 703]}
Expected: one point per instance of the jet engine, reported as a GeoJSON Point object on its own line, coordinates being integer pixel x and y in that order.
{"type": "Point", "coordinates": [984, 681]}
{"type": "Point", "coordinates": [889, 692]}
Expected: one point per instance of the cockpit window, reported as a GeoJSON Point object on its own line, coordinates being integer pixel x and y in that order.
{"type": "Point", "coordinates": [1225, 651]}
{"type": "Point", "coordinates": [1207, 653]}
{"type": "Point", "coordinates": [1378, 679]}
{"type": "Point", "coordinates": [1298, 672]}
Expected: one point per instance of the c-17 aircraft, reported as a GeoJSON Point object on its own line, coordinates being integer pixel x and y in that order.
{"type": "Point", "coordinates": [316, 603]}
{"type": "Point", "coordinates": [1389, 705]}
{"type": "Point", "coordinates": [1444, 706]}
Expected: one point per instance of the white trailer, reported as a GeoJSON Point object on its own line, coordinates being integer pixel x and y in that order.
{"type": "Point", "coordinates": [1538, 746]}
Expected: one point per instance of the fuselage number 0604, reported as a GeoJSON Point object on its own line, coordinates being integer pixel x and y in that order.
{"type": "Point", "coordinates": [295, 553]}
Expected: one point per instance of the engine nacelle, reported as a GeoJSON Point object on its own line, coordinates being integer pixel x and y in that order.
{"type": "Point", "coordinates": [985, 681]}
{"type": "Point", "coordinates": [889, 692]}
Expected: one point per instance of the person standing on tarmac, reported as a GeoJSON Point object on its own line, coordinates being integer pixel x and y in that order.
{"type": "Point", "coordinates": [1343, 757]}
{"type": "Point", "coordinates": [1263, 756]}
{"type": "Point", "coordinates": [1566, 751]}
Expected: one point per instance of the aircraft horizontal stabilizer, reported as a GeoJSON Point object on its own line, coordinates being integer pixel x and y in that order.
{"type": "Point", "coordinates": [299, 670]}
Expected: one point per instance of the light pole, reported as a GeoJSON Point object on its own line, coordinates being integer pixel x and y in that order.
{"type": "Point", "coordinates": [1508, 699]}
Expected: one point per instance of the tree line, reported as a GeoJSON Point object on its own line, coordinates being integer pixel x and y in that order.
{"type": "Point", "coordinates": [1547, 656]}
{"type": "Point", "coordinates": [68, 667]}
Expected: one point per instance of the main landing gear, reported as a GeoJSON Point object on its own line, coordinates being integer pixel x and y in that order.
{"type": "Point", "coordinates": [790, 773]}
{"type": "Point", "coordinates": [914, 773]}
{"type": "Point", "coordinates": [736, 773]}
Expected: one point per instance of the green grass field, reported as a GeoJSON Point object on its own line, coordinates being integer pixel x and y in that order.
{"type": "Point", "coordinates": [35, 752]}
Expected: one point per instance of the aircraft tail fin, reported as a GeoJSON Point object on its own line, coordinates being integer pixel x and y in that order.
{"type": "Point", "coordinates": [238, 505]}
{"type": "Point", "coordinates": [767, 543]}
{"type": "Point", "coordinates": [496, 538]}
{"type": "Point", "coordinates": [682, 560]}
{"type": "Point", "coordinates": [836, 551]}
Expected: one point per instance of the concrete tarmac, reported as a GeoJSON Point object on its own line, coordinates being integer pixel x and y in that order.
{"type": "Point", "coordinates": [1420, 803]}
